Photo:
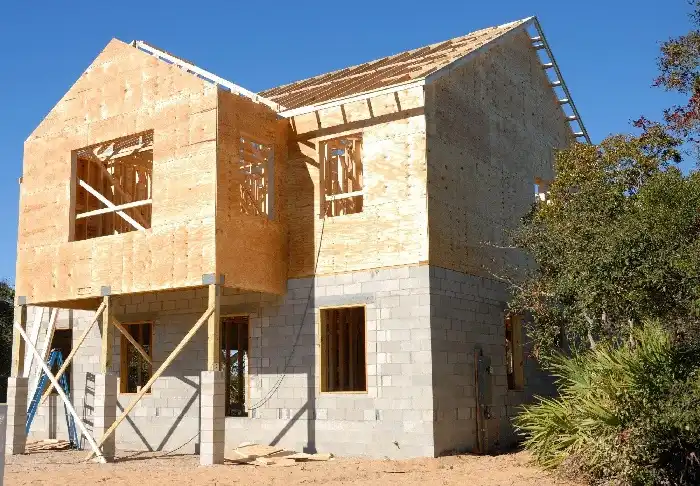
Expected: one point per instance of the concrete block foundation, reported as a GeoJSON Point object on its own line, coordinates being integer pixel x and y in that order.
{"type": "Point", "coordinates": [105, 411]}
{"type": "Point", "coordinates": [15, 435]}
{"type": "Point", "coordinates": [422, 324]}
{"type": "Point", "coordinates": [212, 415]}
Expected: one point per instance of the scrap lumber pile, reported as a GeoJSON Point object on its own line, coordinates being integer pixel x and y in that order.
{"type": "Point", "coordinates": [262, 455]}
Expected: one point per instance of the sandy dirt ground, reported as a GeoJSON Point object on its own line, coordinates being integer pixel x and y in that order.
{"type": "Point", "coordinates": [65, 467]}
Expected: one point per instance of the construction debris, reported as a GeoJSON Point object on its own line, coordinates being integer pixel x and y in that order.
{"type": "Point", "coordinates": [47, 445]}
{"type": "Point", "coordinates": [262, 455]}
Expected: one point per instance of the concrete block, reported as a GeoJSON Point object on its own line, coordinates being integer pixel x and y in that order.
{"type": "Point", "coordinates": [17, 401]}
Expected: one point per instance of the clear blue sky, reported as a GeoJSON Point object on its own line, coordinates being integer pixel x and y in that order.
{"type": "Point", "coordinates": [606, 49]}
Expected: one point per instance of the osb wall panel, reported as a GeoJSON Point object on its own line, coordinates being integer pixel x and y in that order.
{"type": "Point", "coordinates": [392, 228]}
{"type": "Point", "coordinates": [493, 127]}
{"type": "Point", "coordinates": [122, 92]}
{"type": "Point", "coordinates": [251, 250]}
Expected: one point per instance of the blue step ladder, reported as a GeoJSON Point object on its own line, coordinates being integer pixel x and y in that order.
{"type": "Point", "coordinates": [55, 359]}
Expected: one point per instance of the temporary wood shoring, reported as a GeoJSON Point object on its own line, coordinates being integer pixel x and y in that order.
{"type": "Point", "coordinates": [54, 384]}
{"type": "Point", "coordinates": [34, 333]}
{"type": "Point", "coordinates": [75, 349]}
{"type": "Point", "coordinates": [211, 310]}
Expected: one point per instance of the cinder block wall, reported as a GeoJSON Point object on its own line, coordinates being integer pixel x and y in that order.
{"type": "Point", "coordinates": [468, 312]}
{"type": "Point", "coordinates": [393, 418]}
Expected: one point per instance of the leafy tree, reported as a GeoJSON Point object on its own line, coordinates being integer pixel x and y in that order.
{"type": "Point", "coordinates": [679, 68]}
{"type": "Point", "coordinates": [7, 297]}
{"type": "Point", "coordinates": [615, 243]}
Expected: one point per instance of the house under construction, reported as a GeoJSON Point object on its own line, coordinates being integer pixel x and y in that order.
{"type": "Point", "coordinates": [304, 266]}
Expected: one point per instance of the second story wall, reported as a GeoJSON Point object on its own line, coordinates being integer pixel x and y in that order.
{"type": "Point", "coordinates": [391, 227]}
{"type": "Point", "coordinates": [124, 92]}
{"type": "Point", "coordinates": [251, 228]}
{"type": "Point", "coordinates": [493, 126]}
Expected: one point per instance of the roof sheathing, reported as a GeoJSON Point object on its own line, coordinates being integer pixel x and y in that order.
{"type": "Point", "coordinates": [411, 68]}
{"type": "Point", "coordinates": [400, 68]}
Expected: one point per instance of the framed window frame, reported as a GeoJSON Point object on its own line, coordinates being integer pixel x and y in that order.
{"type": "Point", "coordinates": [123, 357]}
{"type": "Point", "coordinates": [246, 377]}
{"type": "Point", "coordinates": [270, 209]}
{"type": "Point", "coordinates": [322, 155]}
{"type": "Point", "coordinates": [323, 361]}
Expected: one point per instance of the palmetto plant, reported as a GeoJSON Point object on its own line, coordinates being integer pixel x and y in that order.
{"type": "Point", "coordinates": [620, 412]}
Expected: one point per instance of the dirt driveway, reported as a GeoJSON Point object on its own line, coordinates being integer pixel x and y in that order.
{"type": "Point", "coordinates": [65, 467]}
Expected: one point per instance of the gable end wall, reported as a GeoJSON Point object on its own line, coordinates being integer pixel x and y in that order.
{"type": "Point", "coordinates": [492, 127]}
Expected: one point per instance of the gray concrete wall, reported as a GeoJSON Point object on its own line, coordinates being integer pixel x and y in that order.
{"type": "Point", "coordinates": [393, 418]}
{"type": "Point", "coordinates": [468, 312]}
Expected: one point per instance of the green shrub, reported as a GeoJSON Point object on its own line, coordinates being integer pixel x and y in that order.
{"type": "Point", "coordinates": [626, 415]}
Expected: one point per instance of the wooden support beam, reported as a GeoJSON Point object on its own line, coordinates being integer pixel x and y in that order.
{"type": "Point", "coordinates": [34, 333]}
{"type": "Point", "coordinates": [109, 204]}
{"type": "Point", "coordinates": [214, 330]}
{"type": "Point", "coordinates": [107, 337]}
{"type": "Point", "coordinates": [70, 357]}
{"type": "Point", "coordinates": [20, 321]}
{"type": "Point", "coordinates": [120, 327]}
{"type": "Point", "coordinates": [156, 375]}
{"type": "Point", "coordinates": [345, 195]}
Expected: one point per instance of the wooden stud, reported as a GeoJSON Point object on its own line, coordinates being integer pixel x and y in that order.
{"type": "Point", "coordinates": [214, 330]}
{"type": "Point", "coordinates": [342, 349]}
{"type": "Point", "coordinates": [352, 351]}
{"type": "Point", "coordinates": [207, 314]}
{"type": "Point", "coordinates": [20, 320]}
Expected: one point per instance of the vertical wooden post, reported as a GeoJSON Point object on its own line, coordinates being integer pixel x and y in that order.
{"type": "Point", "coordinates": [214, 329]}
{"type": "Point", "coordinates": [17, 341]}
{"type": "Point", "coordinates": [107, 337]}
{"type": "Point", "coordinates": [518, 364]}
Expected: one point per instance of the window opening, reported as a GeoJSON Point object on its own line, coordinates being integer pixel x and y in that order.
{"type": "Point", "coordinates": [113, 187]}
{"type": "Point", "coordinates": [343, 350]}
{"type": "Point", "coordinates": [135, 370]}
{"type": "Point", "coordinates": [256, 165]}
{"type": "Point", "coordinates": [342, 175]}
{"type": "Point", "coordinates": [234, 347]}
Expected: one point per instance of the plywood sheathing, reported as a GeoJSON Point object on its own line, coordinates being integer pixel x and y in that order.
{"type": "Point", "coordinates": [251, 249]}
{"type": "Point", "coordinates": [124, 91]}
{"type": "Point", "coordinates": [493, 126]}
{"type": "Point", "coordinates": [392, 227]}
{"type": "Point", "coordinates": [384, 72]}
